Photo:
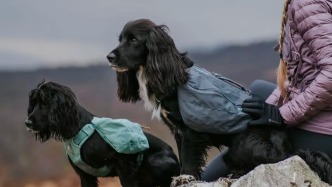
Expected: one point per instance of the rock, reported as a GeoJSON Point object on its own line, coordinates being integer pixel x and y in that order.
{"type": "Point", "coordinates": [188, 180]}
{"type": "Point", "coordinates": [292, 172]}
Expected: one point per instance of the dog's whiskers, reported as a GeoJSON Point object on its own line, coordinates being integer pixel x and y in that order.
{"type": "Point", "coordinates": [32, 131]}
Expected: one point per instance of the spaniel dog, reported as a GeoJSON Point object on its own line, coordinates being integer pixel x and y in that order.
{"type": "Point", "coordinates": [54, 112]}
{"type": "Point", "coordinates": [150, 68]}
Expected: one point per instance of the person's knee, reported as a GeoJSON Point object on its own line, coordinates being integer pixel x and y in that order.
{"type": "Point", "coordinates": [261, 88]}
{"type": "Point", "coordinates": [256, 85]}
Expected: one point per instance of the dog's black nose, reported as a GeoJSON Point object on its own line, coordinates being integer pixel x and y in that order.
{"type": "Point", "coordinates": [111, 56]}
{"type": "Point", "coordinates": [28, 123]}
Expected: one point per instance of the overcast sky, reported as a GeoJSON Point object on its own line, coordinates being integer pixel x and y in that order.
{"type": "Point", "coordinates": [50, 33]}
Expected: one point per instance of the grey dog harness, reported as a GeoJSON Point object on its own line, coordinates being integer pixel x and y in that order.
{"type": "Point", "coordinates": [212, 103]}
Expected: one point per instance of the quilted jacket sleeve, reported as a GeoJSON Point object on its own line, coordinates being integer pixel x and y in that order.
{"type": "Point", "coordinates": [314, 23]}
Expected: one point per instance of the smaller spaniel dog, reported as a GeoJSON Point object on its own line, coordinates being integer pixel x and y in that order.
{"type": "Point", "coordinates": [99, 147]}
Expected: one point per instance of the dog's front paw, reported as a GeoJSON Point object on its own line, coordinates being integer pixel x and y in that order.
{"type": "Point", "coordinates": [182, 180]}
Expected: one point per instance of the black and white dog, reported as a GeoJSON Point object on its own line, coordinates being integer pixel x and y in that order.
{"type": "Point", "coordinates": [54, 112]}
{"type": "Point", "coordinates": [150, 68]}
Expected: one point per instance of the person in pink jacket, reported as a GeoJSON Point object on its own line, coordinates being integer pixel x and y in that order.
{"type": "Point", "coordinates": [302, 100]}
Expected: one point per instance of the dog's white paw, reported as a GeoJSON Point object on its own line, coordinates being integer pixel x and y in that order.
{"type": "Point", "coordinates": [182, 179]}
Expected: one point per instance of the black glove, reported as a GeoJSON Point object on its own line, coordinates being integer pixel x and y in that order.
{"type": "Point", "coordinates": [262, 113]}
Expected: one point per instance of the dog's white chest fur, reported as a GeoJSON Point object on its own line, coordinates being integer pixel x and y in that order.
{"type": "Point", "coordinates": [150, 103]}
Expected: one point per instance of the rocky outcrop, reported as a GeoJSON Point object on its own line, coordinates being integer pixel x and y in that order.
{"type": "Point", "coordinates": [292, 172]}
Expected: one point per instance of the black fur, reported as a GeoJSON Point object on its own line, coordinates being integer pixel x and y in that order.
{"type": "Point", "coordinates": [53, 112]}
{"type": "Point", "coordinates": [146, 47]}
{"type": "Point", "coordinates": [318, 162]}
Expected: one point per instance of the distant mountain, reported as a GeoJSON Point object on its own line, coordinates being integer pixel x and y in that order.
{"type": "Point", "coordinates": [22, 158]}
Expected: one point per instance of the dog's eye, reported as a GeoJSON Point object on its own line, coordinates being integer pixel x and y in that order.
{"type": "Point", "coordinates": [133, 40]}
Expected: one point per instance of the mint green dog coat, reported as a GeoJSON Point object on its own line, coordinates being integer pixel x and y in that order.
{"type": "Point", "coordinates": [123, 135]}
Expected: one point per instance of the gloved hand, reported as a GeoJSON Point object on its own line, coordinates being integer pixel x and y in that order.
{"type": "Point", "coordinates": [262, 113]}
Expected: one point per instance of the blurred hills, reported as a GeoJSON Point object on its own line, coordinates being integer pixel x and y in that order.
{"type": "Point", "coordinates": [22, 159]}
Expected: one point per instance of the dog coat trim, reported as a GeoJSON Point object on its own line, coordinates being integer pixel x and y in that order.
{"type": "Point", "coordinates": [212, 103]}
{"type": "Point", "coordinates": [123, 135]}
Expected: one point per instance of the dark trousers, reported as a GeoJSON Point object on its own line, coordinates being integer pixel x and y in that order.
{"type": "Point", "coordinates": [301, 139]}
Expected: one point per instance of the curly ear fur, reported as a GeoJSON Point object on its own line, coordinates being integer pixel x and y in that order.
{"type": "Point", "coordinates": [64, 115]}
{"type": "Point", "coordinates": [63, 111]}
{"type": "Point", "coordinates": [164, 65]}
{"type": "Point", "coordinates": [128, 86]}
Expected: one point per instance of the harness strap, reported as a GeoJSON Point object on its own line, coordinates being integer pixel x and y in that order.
{"type": "Point", "coordinates": [84, 134]}
{"type": "Point", "coordinates": [139, 160]}
{"type": "Point", "coordinates": [72, 147]}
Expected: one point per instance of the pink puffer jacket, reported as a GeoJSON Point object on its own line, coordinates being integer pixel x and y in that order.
{"type": "Point", "coordinates": [307, 48]}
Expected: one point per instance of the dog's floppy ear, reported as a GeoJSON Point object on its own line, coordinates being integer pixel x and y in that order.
{"type": "Point", "coordinates": [164, 65]}
{"type": "Point", "coordinates": [128, 86]}
{"type": "Point", "coordinates": [64, 112]}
